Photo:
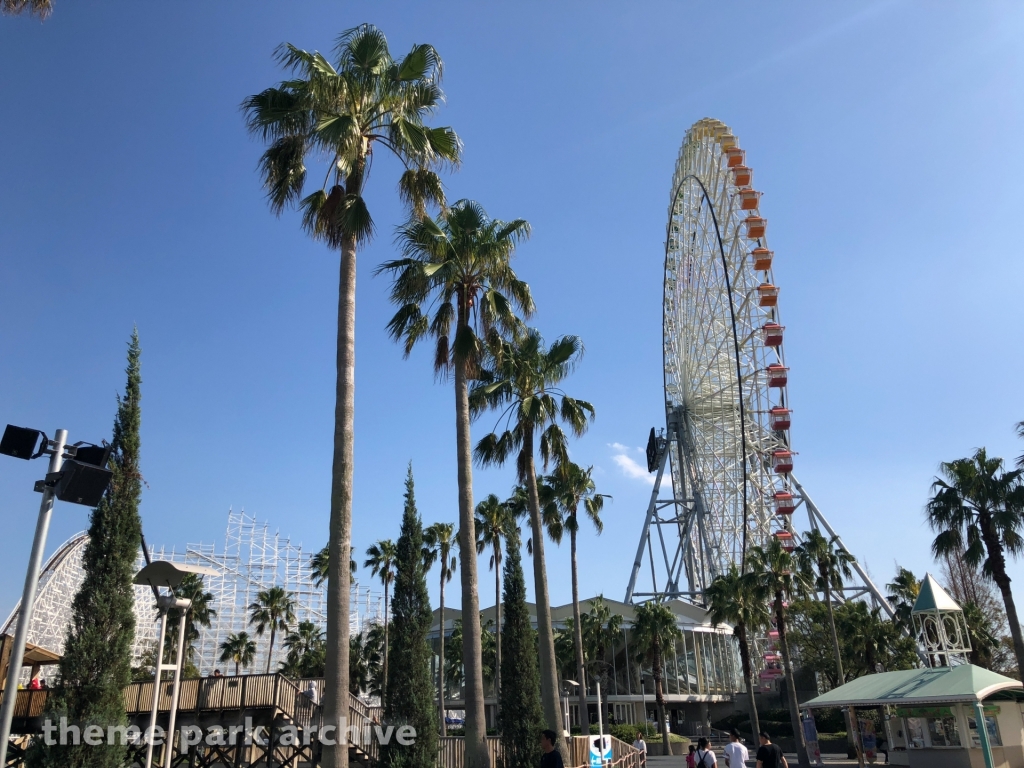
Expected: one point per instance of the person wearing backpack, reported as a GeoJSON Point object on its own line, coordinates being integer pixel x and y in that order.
{"type": "Point", "coordinates": [704, 757]}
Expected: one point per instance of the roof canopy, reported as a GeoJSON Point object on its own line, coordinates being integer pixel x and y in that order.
{"type": "Point", "coordinates": [912, 687]}
{"type": "Point", "coordinates": [932, 597]}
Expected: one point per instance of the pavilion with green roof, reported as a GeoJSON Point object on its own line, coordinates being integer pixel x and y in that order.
{"type": "Point", "coordinates": [932, 714]}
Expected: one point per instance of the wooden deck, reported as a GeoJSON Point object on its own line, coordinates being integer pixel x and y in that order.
{"type": "Point", "coordinates": [272, 701]}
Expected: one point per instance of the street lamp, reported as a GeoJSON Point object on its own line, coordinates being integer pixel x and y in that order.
{"type": "Point", "coordinates": [565, 702]}
{"type": "Point", "coordinates": [600, 714]}
{"type": "Point", "coordinates": [77, 474]}
{"type": "Point", "coordinates": [168, 575]}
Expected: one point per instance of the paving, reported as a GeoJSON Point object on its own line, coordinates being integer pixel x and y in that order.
{"type": "Point", "coordinates": [676, 761]}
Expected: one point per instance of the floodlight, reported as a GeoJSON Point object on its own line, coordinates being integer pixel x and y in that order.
{"type": "Point", "coordinates": [20, 442]}
{"type": "Point", "coordinates": [97, 455]}
{"type": "Point", "coordinates": [164, 573]}
{"type": "Point", "coordinates": [81, 483]}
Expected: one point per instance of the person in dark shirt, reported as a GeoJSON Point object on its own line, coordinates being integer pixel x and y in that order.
{"type": "Point", "coordinates": [551, 757]}
{"type": "Point", "coordinates": [770, 755]}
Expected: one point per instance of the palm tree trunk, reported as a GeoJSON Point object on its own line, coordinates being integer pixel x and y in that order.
{"type": "Point", "coordinates": [659, 697]}
{"type": "Point", "coordinates": [270, 650]}
{"type": "Point", "coordinates": [440, 667]}
{"type": "Point", "coordinates": [236, 669]}
{"type": "Point", "coordinates": [741, 635]}
{"type": "Point", "coordinates": [997, 562]}
{"type": "Point", "coordinates": [794, 707]}
{"type": "Point", "coordinates": [546, 636]}
{"type": "Point", "coordinates": [851, 722]}
{"type": "Point", "coordinates": [335, 702]}
{"type": "Point", "coordinates": [577, 639]}
{"type": "Point", "coordinates": [497, 629]}
{"type": "Point", "coordinates": [477, 755]}
{"type": "Point", "coordinates": [384, 669]}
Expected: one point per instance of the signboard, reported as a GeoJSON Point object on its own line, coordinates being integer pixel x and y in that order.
{"type": "Point", "coordinates": [867, 740]}
{"type": "Point", "coordinates": [811, 737]}
{"type": "Point", "coordinates": [600, 751]}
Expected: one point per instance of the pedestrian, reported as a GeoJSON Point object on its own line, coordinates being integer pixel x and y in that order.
{"type": "Point", "coordinates": [217, 673]}
{"type": "Point", "coordinates": [312, 693]}
{"type": "Point", "coordinates": [704, 757]}
{"type": "Point", "coordinates": [691, 757]}
{"type": "Point", "coordinates": [770, 755]}
{"type": "Point", "coordinates": [736, 754]}
{"type": "Point", "coordinates": [641, 746]}
{"type": "Point", "coordinates": [551, 757]}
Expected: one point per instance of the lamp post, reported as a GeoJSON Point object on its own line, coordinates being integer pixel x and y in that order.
{"type": "Point", "coordinates": [76, 473]}
{"type": "Point", "coordinates": [167, 575]}
{"type": "Point", "coordinates": [643, 695]}
{"type": "Point", "coordinates": [565, 705]}
{"type": "Point", "coordinates": [600, 705]}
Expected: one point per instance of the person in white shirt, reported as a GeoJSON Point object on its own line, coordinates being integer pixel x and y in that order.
{"type": "Point", "coordinates": [736, 754]}
{"type": "Point", "coordinates": [704, 757]}
{"type": "Point", "coordinates": [641, 746]}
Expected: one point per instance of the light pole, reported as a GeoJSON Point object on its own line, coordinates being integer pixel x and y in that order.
{"type": "Point", "coordinates": [643, 695]}
{"type": "Point", "coordinates": [76, 473]}
{"type": "Point", "coordinates": [600, 706]}
{"type": "Point", "coordinates": [565, 704]}
{"type": "Point", "coordinates": [168, 575]}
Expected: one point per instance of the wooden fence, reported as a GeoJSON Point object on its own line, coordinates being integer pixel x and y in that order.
{"type": "Point", "coordinates": [452, 752]}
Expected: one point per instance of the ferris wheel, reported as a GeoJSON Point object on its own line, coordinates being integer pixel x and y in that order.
{"type": "Point", "coordinates": [726, 442]}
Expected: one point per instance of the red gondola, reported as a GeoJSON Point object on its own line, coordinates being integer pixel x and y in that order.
{"type": "Point", "coordinates": [779, 418]}
{"type": "Point", "coordinates": [778, 375]}
{"type": "Point", "coordinates": [785, 503]}
{"type": "Point", "coordinates": [771, 333]}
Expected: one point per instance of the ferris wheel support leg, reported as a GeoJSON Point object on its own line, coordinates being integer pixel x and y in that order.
{"type": "Point", "coordinates": [652, 510]}
{"type": "Point", "coordinates": [815, 513]}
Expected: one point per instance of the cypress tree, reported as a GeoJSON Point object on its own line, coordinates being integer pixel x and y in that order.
{"type": "Point", "coordinates": [96, 664]}
{"type": "Point", "coordinates": [521, 717]}
{"type": "Point", "coordinates": [409, 698]}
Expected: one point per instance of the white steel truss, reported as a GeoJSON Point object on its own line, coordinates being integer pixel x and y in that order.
{"type": "Point", "coordinates": [252, 559]}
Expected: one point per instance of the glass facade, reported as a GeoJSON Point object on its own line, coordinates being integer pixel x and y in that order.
{"type": "Point", "coordinates": [702, 662]}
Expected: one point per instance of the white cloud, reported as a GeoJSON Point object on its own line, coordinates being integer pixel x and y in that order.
{"type": "Point", "coordinates": [632, 469]}
{"type": "Point", "coordinates": [618, 447]}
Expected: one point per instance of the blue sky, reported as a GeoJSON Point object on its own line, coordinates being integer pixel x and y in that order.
{"type": "Point", "coordinates": [885, 136]}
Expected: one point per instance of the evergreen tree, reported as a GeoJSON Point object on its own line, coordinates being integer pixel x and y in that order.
{"type": "Point", "coordinates": [521, 717]}
{"type": "Point", "coordinates": [97, 659]}
{"type": "Point", "coordinates": [409, 698]}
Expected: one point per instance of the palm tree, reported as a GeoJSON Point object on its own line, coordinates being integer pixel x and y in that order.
{"type": "Point", "coordinates": [655, 629]}
{"type": "Point", "coordinates": [524, 385]}
{"type": "Point", "coordinates": [457, 270]}
{"type": "Point", "coordinates": [438, 541]}
{"type": "Point", "coordinates": [979, 510]}
{"type": "Point", "coordinates": [306, 651]}
{"type": "Point", "coordinates": [493, 523]}
{"type": "Point", "coordinates": [902, 593]}
{"type": "Point", "coordinates": [340, 113]}
{"type": "Point", "coordinates": [238, 648]}
{"type": "Point", "coordinates": [381, 559]}
{"type": "Point", "coordinates": [571, 486]}
{"type": "Point", "coordinates": [827, 564]}
{"type": "Point", "coordinates": [735, 598]}
{"type": "Point", "coordinates": [775, 572]}
{"type": "Point", "coordinates": [599, 628]}
{"type": "Point", "coordinates": [518, 504]}
{"type": "Point", "coordinates": [273, 608]}
{"type": "Point", "coordinates": [320, 564]}
{"type": "Point", "coordinates": [199, 612]}
{"type": "Point", "coordinates": [40, 8]}
{"type": "Point", "coordinates": [365, 663]}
